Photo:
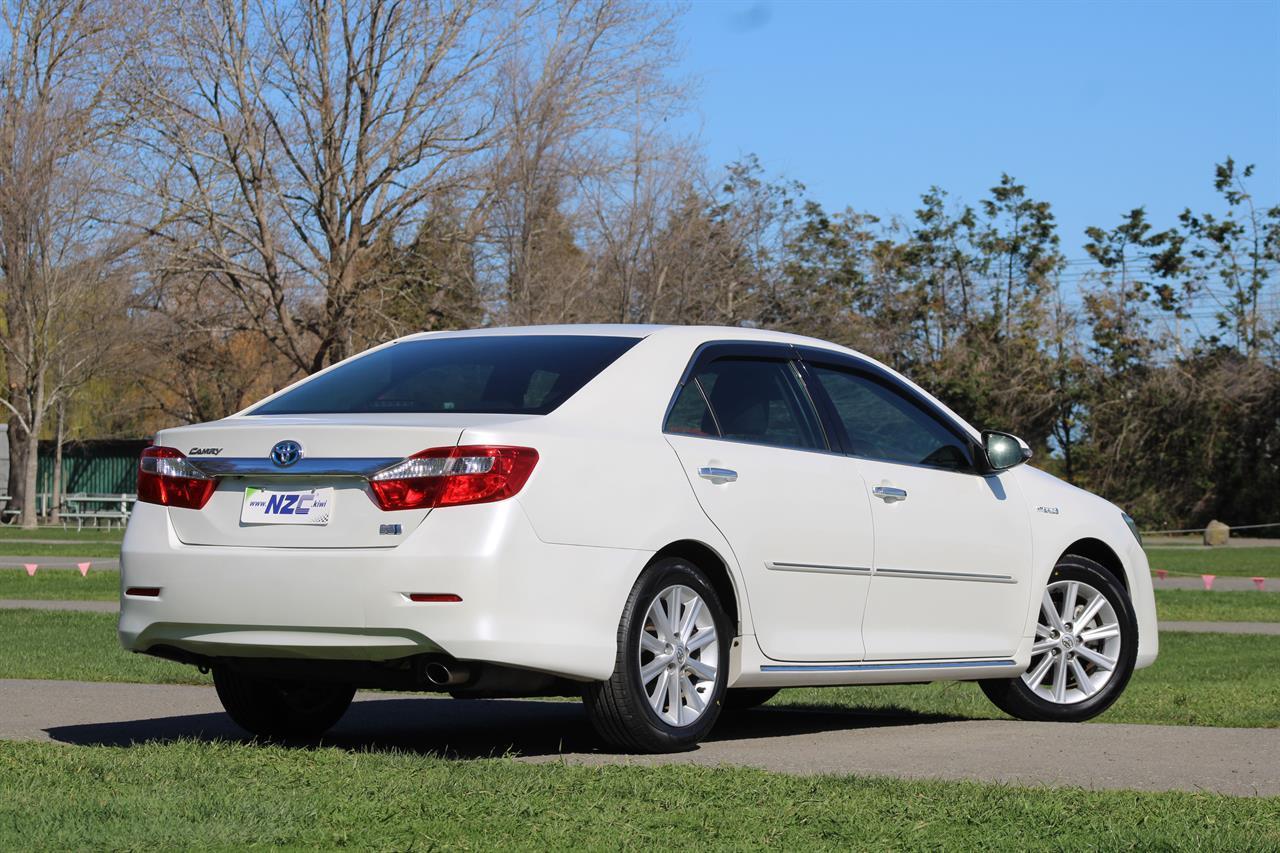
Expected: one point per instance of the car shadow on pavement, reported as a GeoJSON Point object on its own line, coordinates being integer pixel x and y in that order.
{"type": "Point", "coordinates": [469, 728]}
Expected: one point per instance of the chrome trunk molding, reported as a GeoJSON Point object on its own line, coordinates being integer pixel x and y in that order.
{"type": "Point", "coordinates": [364, 467]}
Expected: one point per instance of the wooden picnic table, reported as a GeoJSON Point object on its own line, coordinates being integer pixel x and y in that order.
{"type": "Point", "coordinates": [94, 509]}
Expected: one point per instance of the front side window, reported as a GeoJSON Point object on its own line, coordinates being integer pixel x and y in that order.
{"type": "Point", "coordinates": [884, 424]}
{"type": "Point", "coordinates": [497, 374]}
{"type": "Point", "coordinates": [755, 400]}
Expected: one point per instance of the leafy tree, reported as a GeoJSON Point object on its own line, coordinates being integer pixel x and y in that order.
{"type": "Point", "coordinates": [1232, 257]}
{"type": "Point", "coordinates": [1127, 255]}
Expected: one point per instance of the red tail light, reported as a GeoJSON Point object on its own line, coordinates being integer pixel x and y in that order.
{"type": "Point", "coordinates": [452, 476]}
{"type": "Point", "coordinates": [165, 477]}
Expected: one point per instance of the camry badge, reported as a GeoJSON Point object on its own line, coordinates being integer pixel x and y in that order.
{"type": "Point", "coordinates": [285, 453]}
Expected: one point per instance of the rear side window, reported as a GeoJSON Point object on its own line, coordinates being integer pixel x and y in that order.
{"type": "Point", "coordinates": [690, 415]}
{"type": "Point", "coordinates": [500, 374]}
{"type": "Point", "coordinates": [883, 424]}
{"type": "Point", "coordinates": [753, 400]}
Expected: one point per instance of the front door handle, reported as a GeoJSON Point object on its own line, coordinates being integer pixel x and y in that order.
{"type": "Point", "coordinates": [889, 494]}
{"type": "Point", "coordinates": [718, 475]}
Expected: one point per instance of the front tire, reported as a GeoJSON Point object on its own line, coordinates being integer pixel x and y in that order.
{"type": "Point", "coordinates": [278, 708]}
{"type": "Point", "coordinates": [1085, 646]}
{"type": "Point", "coordinates": [672, 663]}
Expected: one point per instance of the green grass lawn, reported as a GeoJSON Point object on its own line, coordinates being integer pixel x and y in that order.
{"type": "Point", "coordinates": [88, 534]}
{"type": "Point", "coordinates": [73, 646]}
{"type": "Point", "coordinates": [1200, 679]}
{"type": "Point", "coordinates": [64, 584]}
{"type": "Point", "coordinates": [1227, 562]}
{"type": "Point", "coordinates": [228, 796]}
{"type": "Point", "coordinates": [1193, 605]}
{"type": "Point", "coordinates": [88, 550]}
{"type": "Point", "coordinates": [1181, 604]}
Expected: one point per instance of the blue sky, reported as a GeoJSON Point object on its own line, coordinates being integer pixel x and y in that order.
{"type": "Point", "coordinates": [1097, 107]}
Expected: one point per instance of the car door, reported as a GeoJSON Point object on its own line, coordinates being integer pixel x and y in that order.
{"type": "Point", "coordinates": [754, 449]}
{"type": "Point", "coordinates": [953, 551]}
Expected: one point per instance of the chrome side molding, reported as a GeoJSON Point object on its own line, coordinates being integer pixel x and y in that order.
{"type": "Point", "coordinates": [815, 567]}
{"type": "Point", "coordinates": [878, 667]}
{"type": "Point", "coordinates": [944, 576]}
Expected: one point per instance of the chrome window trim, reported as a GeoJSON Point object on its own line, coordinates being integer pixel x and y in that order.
{"type": "Point", "coordinates": [812, 357]}
{"type": "Point", "coordinates": [709, 351]}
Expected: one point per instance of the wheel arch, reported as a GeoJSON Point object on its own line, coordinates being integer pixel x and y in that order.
{"type": "Point", "coordinates": [706, 558]}
{"type": "Point", "coordinates": [1102, 554]}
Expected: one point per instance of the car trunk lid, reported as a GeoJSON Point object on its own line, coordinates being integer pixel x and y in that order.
{"type": "Point", "coordinates": [337, 453]}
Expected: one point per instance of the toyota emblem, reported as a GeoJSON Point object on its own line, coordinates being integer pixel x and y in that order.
{"type": "Point", "coordinates": [285, 453]}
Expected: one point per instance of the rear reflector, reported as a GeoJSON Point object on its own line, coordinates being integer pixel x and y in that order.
{"type": "Point", "coordinates": [454, 476]}
{"type": "Point", "coordinates": [143, 591]}
{"type": "Point", "coordinates": [165, 477]}
{"type": "Point", "coordinates": [434, 597]}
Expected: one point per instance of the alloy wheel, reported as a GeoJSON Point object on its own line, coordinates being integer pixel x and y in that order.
{"type": "Point", "coordinates": [679, 653]}
{"type": "Point", "coordinates": [1077, 646]}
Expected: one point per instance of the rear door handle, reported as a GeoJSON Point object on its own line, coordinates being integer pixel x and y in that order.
{"type": "Point", "coordinates": [718, 475]}
{"type": "Point", "coordinates": [889, 494]}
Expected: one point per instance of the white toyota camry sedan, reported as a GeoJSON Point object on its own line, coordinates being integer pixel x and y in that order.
{"type": "Point", "coordinates": [670, 522]}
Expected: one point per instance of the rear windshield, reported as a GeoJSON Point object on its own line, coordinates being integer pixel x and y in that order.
{"type": "Point", "coordinates": [502, 374]}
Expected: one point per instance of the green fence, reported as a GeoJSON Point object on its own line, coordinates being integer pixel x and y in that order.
{"type": "Point", "coordinates": [92, 467]}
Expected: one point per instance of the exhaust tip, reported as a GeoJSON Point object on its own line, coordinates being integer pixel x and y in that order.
{"type": "Point", "coordinates": [442, 675]}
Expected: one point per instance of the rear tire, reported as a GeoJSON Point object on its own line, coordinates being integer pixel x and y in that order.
{"type": "Point", "coordinates": [669, 675]}
{"type": "Point", "coordinates": [1076, 648]}
{"type": "Point", "coordinates": [278, 708]}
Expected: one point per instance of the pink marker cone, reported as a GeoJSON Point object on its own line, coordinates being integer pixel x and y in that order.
{"type": "Point", "coordinates": [1208, 580]}
{"type": "Point", "coordinates": [1163, 574]}
{"type": "Point", "coordinates": [84, 568]}
{"type": "Point", "coordinates": [1258, 582]}
{"type": "Point", "coordinates": [31, 569]}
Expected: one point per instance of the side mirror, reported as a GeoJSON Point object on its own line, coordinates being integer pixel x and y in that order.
{"type": "Point", "coordinates": [1004, 450]}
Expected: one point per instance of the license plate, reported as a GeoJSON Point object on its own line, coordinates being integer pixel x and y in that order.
{"type": "Point", "coordinates": [267, 506]}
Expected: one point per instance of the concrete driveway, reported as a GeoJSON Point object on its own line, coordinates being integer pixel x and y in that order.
{"type": "Point", "coordinates": [1242, 762]}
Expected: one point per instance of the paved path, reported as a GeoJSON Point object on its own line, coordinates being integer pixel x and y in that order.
{"type": "Point", "coordinates": [800, 741]}
{"type": "Point", "coordinates": [113, 564]}
{"type": "Point", "coordinates": [1221, 584]}
{"type": "Point", "coordinates": [41, 604]}
{"type": "Point", "coordinates": [1221, 627]}
{"type": "Point", "coordinates": [12, 562]}
{"type": "Point", "coordinates": [1191, 627]}
{"type": "Point", "coordinates": [1173, 582]}
{"type": "Point", "coordinates": [1196, 543]}
{"type": "Point", "coordinates": [43, 541]}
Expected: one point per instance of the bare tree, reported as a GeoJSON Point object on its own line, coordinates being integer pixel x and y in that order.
{"type": "Point", "coordinates": [581, 102]}
{"type": "Point", "coordinates": [60, 260]}
{"type": "Point", "coordinates": [301, 133]}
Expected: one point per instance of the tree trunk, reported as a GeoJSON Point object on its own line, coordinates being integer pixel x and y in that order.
{"type": "Point", "coordinates": [1066, 452]}
{"type": "Point", "coordinates": [55, 504]}
{"type": "Point", "coordinates": [17, 465]}
{"type": "Point", "coordinates": [30, 465]}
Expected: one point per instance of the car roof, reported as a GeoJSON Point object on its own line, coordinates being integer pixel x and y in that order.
{"type": "Point", "coordinates": [681, 334]}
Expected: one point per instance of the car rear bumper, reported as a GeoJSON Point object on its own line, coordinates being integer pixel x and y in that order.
{"type": "Point", "coordinates": [525, 603]}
